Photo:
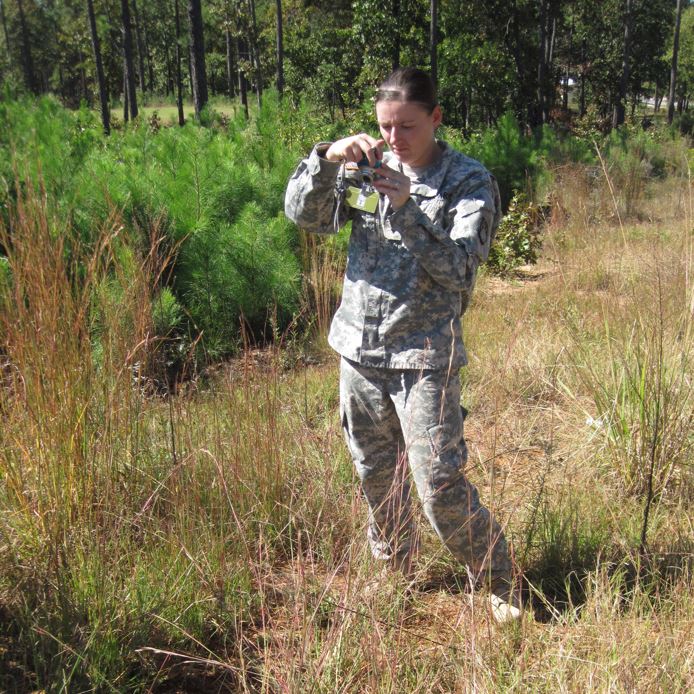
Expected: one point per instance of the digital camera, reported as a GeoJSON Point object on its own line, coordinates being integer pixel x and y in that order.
{"type": "Point", "coordinates": [362, 172]}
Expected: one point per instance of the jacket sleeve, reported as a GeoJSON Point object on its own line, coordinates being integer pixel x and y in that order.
{"type": "Point", "coordinates": [452, 251]}
{"type": "Point", "coordinates": [313, 199]}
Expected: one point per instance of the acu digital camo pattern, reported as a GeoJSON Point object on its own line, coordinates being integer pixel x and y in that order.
{"type": "Point", "coordinates": [394, 416]}
{"type": "Point", "coordinates": [408, 280]}
{"type": "Point", "coordinates": [409, 272]}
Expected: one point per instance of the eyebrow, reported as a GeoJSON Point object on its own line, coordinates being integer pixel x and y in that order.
{"type": "Point", "coordinates": [402, 122]}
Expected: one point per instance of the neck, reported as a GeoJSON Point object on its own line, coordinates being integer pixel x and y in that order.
{"type": "Point", "coordinates": [426, 159]}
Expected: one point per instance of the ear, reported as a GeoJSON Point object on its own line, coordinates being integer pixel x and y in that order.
{"type": "Point", "coordinates": [437, 116]}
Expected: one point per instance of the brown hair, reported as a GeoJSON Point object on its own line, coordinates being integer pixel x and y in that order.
{"type": "Point", "coordinates": [409, 84]}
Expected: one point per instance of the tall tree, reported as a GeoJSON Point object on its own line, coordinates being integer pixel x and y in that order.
{"type": "Point", "coordinates": [100, 78]}
{"type": "Point", "coordinates": [242, 53]}
{"type": "Point", "coordinates": [255, 51]}
{"type": "Point", "coordinates": [229, 47]}
{"type": "Point", "coordinates": [179, 78]}
{"type": "Point", "coordinates": [148, 54]}
{"type": "Point", "coordinates": [140, 48]}
{"type": "Point", "coordinates": [130, 95]}
{"type": "Point", "coordinates": [567, 71]}
{"type": "Point", "coordinates": [619, 108]}
{"type": "Point", "coordinates": [4, 27]}
{"type": "Point", "coordinates": [673, 65]}
{"type": "Point", "coordinates": [280, 50]}
{"type": "Point", "coordinates": [685, 60]}
{"type": "Point", "coordinates": [229, 61]}
{"type": "Point", "coordinates": [197, 56]}
{"type": "Point", "coordinates": [25, 47]}
{"type": "Point", "coordinates": [542, 67]}
{"type": "Point", "coordinates": [126, 101]}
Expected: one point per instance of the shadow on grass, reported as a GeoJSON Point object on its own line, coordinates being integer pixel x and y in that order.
{"type": "Point", "coordinates": [162, 671]}
{"type": "Point", "coordinates": [563, 554]}
{"type": "Point", "coordinates": [558, 583]}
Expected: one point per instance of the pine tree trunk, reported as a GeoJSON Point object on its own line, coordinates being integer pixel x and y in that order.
{"type": "Point", "coordinates": [619, 107]}
{"type": "Point", "coordinates": [567, 71]}
{"type": "Point", "coordinates": [197, 56]}
{"type": "Point", "coordinates": [243, 86]}
{"type": "Point", "coordinates": [230, 62]}
{"type": "Point", "coordinates": [169, 79]}
{"type": "Point", "coordinates": [582, 99]}
{"type": "Point", "coordinates": [148, 54]}
{"type": "Point", "coordinates": [126, 101]}
{"type": "Point", "coordinates": [673, 66]}
{"type": "Point", "coordinates": [4, 27]}
{"type": "Point", "coordinates": [27, 60]}
{"type": "Point", "coordinates": [179, 79]}
{"type": "Point", "coordinates": [101, 81]}
{"type": "Point", "coordinates": [542, 63]}
{"type": "Point", "coordinates": [280, 51]}
{"type": "Point", "coordinates": [434, 39]}
{"type": "Point", "coordinates": [83, 79]}
{"type": "Point", "coordinates": [549, 78]}
{"type": "Point", "coordinates": [140, 48]}
{"type": "Point", "coordinates": [128, 62]}
{"type": "Point", "coordinates": [255, 54]}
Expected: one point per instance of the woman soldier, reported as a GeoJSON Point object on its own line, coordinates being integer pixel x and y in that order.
{"type": "Point", "coordinates": [422, 223]}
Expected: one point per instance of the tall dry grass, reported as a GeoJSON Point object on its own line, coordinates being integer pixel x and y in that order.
{"type": "Point", "coordinates": [213, 540]}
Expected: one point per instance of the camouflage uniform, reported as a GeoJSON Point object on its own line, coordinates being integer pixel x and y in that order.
{"type": "Point", "coordinates": [408, 280]}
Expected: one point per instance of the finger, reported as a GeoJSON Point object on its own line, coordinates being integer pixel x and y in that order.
{"type": "Point", "coordinates": [355, 152]}
{"type": "Point", "coordinates": [391, 174]}
{"type": "Point", "coordinates": [389, 171]}
{"type": "Point", "coordinates": [389, 186]}
{"type": "Point", "coordinates": [368, 149]}
{"type": "Point", "coordinates": [375, 152]}
{"type": "Point", "coordinates": [372, 155]}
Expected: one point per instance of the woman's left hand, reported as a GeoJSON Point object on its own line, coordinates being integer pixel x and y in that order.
{"type": "Point", "coordinates": [393, 184]}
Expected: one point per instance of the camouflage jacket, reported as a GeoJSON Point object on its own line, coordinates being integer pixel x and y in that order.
{"type": "Point", "coordinates": [409, 272]}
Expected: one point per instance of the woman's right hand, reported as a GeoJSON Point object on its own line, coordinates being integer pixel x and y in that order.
{"type": "Point", "coordinates": [355, 148]}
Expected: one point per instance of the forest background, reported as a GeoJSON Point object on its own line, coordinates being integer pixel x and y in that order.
{"type": "Point", "coordinates": [178, 511]}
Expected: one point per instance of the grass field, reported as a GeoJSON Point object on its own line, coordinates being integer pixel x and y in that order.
{"type": "Point", "coordinates": [214, 540]}
{"type": "Point", "coordinates": [168, 113]}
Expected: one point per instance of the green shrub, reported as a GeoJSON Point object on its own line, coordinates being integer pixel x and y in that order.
{"type": "Point", "coordinates": [518, 239]}
{"type": "Point", "coordinates": [215, 195]}
{"type": "Point", "coordinates": [167, 313]}
{"type": "Point", "coordinates": [685, 123]}
{"type": "Point", "coordinates": [49, 142]}
{"type": "Point", "coordinates": [517, 161]}
{"type": "Point", "coordinates": [218, 199]}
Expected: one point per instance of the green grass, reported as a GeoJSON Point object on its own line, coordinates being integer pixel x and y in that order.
{"type": "Point", "coordinates": [214, 539]}
{"type": "Point", "coordinates": [168, 113]}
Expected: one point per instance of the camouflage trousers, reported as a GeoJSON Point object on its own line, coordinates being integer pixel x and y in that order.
{"type": "Point", "coordinates": [392, 417]}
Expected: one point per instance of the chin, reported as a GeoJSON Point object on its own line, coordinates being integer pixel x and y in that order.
{"type": "Point", "coordinates": [405, 157]}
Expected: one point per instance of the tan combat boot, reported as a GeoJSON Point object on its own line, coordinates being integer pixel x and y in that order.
{"type": "Point", "coordinates": [505, 601]}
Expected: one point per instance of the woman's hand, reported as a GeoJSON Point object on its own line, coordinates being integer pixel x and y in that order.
{"type": "Point", "coordinates": [356, 148]}
{"type": "Point", "coordinates": [393, 184]}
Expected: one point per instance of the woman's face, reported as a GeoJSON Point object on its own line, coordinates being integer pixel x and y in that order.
{"type": "Point", "coordinates": [409, 130]}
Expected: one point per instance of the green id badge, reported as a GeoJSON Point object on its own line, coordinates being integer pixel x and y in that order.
{"type": "Point", "coordinates": [360, 201]}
